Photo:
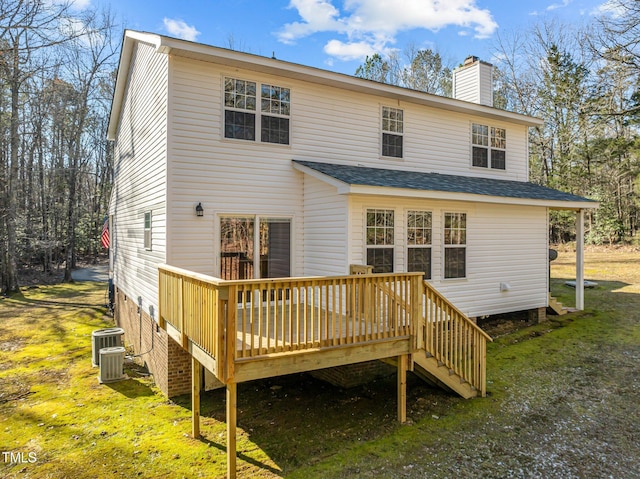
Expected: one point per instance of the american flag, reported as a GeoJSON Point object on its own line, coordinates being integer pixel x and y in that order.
{"type": "Point", "coordinates": [104, 237]}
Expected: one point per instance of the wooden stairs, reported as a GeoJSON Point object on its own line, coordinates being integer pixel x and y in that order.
{"type": "Point", "coordinates": [431, 370]}
{"type": "Point", "coordinates": [556, 307]}
{"type": "Point", "coordinates": [435, 373]}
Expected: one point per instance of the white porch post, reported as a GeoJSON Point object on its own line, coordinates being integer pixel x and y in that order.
{"type": "Point", "coordinates": [580, 260]}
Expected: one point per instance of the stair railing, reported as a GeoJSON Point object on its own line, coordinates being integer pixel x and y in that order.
{"type": "Point", "coordinates": [454, 340]}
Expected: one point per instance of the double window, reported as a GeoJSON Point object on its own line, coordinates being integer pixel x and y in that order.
{"type": "Point", "coordinates": [392, 131]}
{"type": "Point", "coordinates": [419, 242]}
{"type": "Point", "coordinates": [488, 146]}
{"type": "Point", "coordinates": [251, 107]}
{"type": "Point", "coordinates": [380, 240]}
{"type": "Point", "coordinates": [455, 245]}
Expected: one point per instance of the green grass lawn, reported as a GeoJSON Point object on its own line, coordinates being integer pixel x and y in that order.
{"type": "Point", "coordinates": [52, 406]}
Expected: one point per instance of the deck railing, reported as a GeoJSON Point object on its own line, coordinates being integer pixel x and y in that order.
{"type": "Point", "coordinates": [254, 319]}
{"type": "Point", "coordinates": [294, 314]}
{"type": "Point", "coordinates": [196, 305]}
{"type": "Point", "coordinates": [454, 340]}
{"type": "Point", "coordinates": [239, 319]}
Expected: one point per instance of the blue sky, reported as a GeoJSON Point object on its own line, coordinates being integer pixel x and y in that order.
{"type": "Point", "coordinates": [337, 34]}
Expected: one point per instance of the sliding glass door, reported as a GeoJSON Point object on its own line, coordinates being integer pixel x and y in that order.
{"type": "Point", "coordinates": [247, 252]}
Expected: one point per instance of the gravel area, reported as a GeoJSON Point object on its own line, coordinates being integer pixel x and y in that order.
{"type": "Point", "coordinates": [575, 414]}
{"type": "Point", "coordinates": [577, 422]}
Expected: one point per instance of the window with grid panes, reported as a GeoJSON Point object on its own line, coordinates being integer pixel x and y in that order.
{"type": "Point", "coordinates": [488, 147]}
{"type": "Point", "coordinates": [455, 241]}
{"type": "Point", "coordinates": [380, 239]}
{"type": "Point", "coordinates": [246, 110]}
{"type": "Point", "coordinates": [419, 242]}
{"type": "Point", "coordinates": [147, 230]}
{"type": "Point", "coordinates": [275, 104]}
{"type": "Point", "coordinates": [239, 109]}
{"type": "Point", "coordinates": [392, 131]}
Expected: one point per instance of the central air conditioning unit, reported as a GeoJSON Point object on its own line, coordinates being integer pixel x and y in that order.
{"type": "Point", "coordinates": [111, 365]}
{"type": "Point", "coordinates": [104, 338]}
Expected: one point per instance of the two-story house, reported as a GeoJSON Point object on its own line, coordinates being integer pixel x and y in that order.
{"type": "Point", "coordinates": [239, 166]}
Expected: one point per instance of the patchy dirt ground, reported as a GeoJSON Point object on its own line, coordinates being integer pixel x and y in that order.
{"type": "Point", "coordinates": [563, 402]}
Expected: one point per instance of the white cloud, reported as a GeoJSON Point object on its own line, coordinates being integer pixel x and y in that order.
{"type": "Point", "coordinates": [555, 6]}
{"type": "Point", "coordinates": [81, 4]}
{"type": "Point", "coordinates": [350, 50]}
{"type": "Point", "coordinates": [180, 29]}
{"type": "Point", "coordinates": [613, 8]}
{"type": "Point", "coordinates": [371, 25]}
{"type": "Point", "coordinates": [317, 16]}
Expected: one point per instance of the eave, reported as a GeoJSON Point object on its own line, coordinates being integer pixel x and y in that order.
{"type": "Point", "coordinates": [354, 188]}
{"type": "Point", "coordinates": [272, 66]}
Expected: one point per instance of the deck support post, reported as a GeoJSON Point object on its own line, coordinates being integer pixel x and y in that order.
{"type": "Point", "coordinates": [196, 383]}
{"type": "Point", "coordinates": [580, 260]}
{"type": "Point", "coordinates": [402, 388]}
{"type": "Point", "coordinates": [232, 393]}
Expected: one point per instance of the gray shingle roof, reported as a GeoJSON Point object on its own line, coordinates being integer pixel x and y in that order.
{"type": "Point", "coordinates": [359, 175]}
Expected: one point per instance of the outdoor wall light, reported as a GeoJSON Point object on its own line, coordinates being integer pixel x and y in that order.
{"type": "Point", "coordinates": [199, 210]}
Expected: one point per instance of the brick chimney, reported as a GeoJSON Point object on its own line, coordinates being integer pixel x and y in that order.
{"type": "Point", "coordinates": [473, 81]}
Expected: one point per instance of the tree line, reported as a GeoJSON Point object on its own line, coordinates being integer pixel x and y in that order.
{"type": "Point", "coordinates": [57, 68]}
{"type": "Point", "coordinates": [585, 83]}
{"type": "Point", "coordinates": [57, 73]}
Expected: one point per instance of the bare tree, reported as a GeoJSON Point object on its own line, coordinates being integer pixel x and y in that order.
{"type": "Point", "coordinates": [90, 58]}
{"type": "Point", "coordinates": [26, 29]}
{"type": "Point", "coordinates": [56, 77]}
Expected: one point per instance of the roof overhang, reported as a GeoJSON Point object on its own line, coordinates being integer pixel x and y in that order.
{"type": "Point", "coordinates": [346, 188]}
{"type": "Point", "coordinates": [261, 64]}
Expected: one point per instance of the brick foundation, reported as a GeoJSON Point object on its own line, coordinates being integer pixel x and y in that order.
{"type": "Point", "coordinates": [352, 375]}
{"type": "Point", "coordinates": [165, 359]}
{"type": "Point", "coordinates": [539, 315]}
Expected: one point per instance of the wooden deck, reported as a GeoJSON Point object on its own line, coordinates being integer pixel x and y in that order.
{"type": "Point", "coordinates": [250, 329]}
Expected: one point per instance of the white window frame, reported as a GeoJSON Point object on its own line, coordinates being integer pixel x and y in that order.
{"type": "Point", "coordinates": [395, 127]}
{"type": "Point", "coordinates": [429, 246]}
{"type": "Point", "coordinates": [384, 244]}
{"type": "Point", "coordinates": [256, 239]}
{"type": "Point", "coordinates": [278, 108]}
{"type": "Point", "coordinates": [283, 108]}
{"type": "Point", "coordinates": [446, 246]}
{"type": "Point", "coordinates": [148, 228]}
{"type": "Point", "coordinates": [494, 142]}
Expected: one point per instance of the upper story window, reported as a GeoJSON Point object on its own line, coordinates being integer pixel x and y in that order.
{"type": "Point", "coordinates": [239, 109]}
{"type": "Point", "coordinates": [392, 131]}
{"type": "Point", "coordinates": [243, 113]}
{"type": "Point", "coordinates": [380, 240]}
{"type": "Point", "coordinates": [489, 146]}
{"type": "Point", "coordinates": [275, 106]}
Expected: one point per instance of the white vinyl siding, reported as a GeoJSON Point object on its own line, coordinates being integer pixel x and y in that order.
{"type": "Point", "coordinates": [474, 83]}
{"type": "Point", "coordinates": [228, 177]}
{"type": "Point", "coordinates": [139, 151]}
{"type": "Point", "coordinates": [504, 244]}
{"type": "Point", "coordinates": [172, 126]}
{"type": "Point", "coordinates": [327, 124]}
{"type": "Point", "coordinates": [326, 229]}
